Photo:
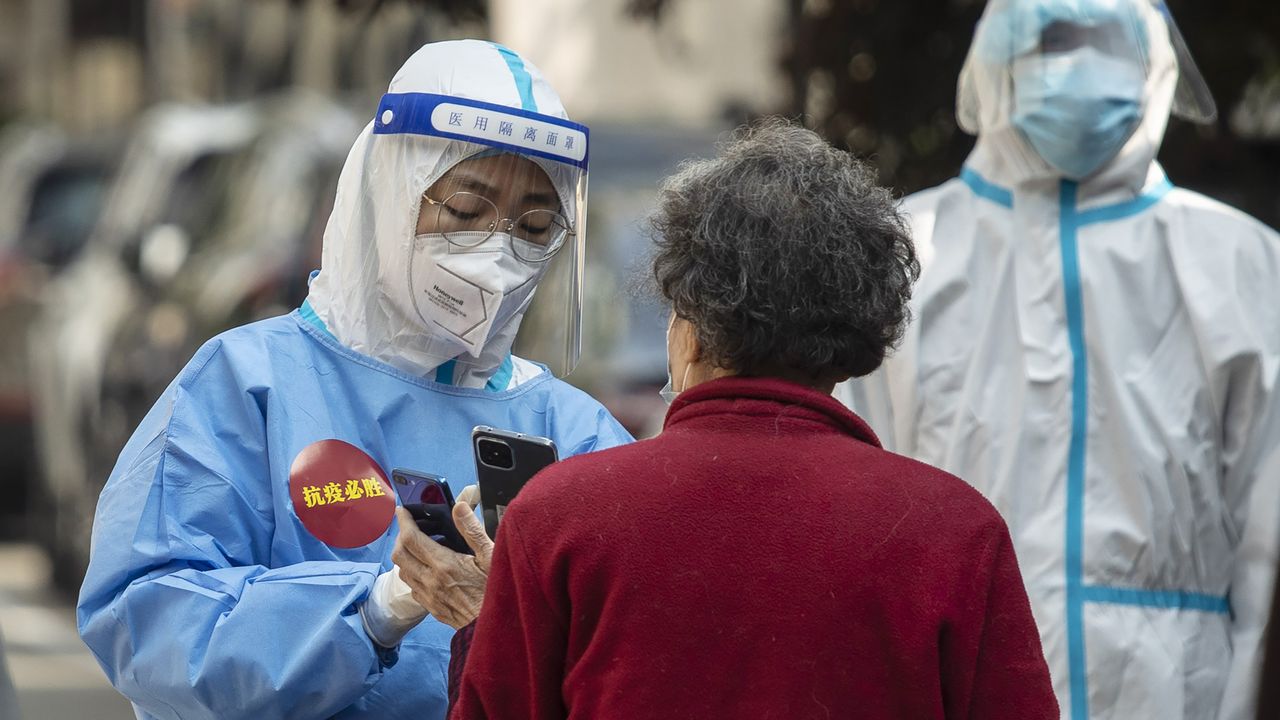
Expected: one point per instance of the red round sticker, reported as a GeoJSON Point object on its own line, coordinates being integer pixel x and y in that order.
{"type": "Point", "coordinates": [340, 494]}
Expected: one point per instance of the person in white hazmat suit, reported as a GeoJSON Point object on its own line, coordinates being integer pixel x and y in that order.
{"type": "Point", "coordinates": [223, 582]}
{"type": "Point", "coordinates": [1098, 352]}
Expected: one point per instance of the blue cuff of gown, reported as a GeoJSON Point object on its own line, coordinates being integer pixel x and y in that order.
{"type": "Point", "coordinates": [386, 656]}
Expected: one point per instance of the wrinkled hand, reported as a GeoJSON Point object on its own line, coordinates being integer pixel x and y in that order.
{"type": "Point", "coordinates": [447, 584]}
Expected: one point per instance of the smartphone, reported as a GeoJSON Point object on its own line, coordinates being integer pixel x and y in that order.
{"type": "Point", "coordinates": [505, 461]}
{"type": "Point", "coordinates": [429, 500]}
{"type": "Point", "coordinates": [413, 487]}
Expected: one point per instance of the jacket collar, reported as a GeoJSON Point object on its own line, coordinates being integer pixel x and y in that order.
{"type": "Point", "coordinates": [766, 396]}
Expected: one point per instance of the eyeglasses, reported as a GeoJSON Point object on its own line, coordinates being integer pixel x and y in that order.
{"type": "Point", "coordinates": [466, 220]}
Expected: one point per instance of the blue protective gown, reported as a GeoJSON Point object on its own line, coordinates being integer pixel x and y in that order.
{"type": "Point", "coordinates": [206, 597]}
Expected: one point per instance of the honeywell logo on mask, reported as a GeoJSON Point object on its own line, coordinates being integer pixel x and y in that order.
{"type": "Point", "coordinates": [458, 304]}
{"type": "Point", "coordinates": [466, 294]}
{"type": "Point", "coordinates": [442, 295]}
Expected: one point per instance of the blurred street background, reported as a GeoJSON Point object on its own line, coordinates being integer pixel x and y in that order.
{"type": "Point", "coordinates": [167, 168]}
{"type": "Point", "coordinates": [55, 675]}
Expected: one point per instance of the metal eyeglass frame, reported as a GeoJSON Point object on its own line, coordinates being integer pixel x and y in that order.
{"type": "Point", "coordinates": [497, 223]}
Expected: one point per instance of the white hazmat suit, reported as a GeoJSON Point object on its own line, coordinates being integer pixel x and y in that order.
{"type": "Point", "coordinates": [1099, 354]}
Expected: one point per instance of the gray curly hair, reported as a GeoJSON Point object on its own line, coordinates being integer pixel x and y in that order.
{"type": "Point", "coordinates": [785, 255]}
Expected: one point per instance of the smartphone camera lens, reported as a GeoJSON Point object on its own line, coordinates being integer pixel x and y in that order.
{"type": "Point", "coordinates": [495, 453]}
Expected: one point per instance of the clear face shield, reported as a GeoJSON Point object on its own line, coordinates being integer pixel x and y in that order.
{"type": "Point", "coordinates": [1072, 75]}
{"type": "Point", "coordinates": [1192, 100]}
{"type": "Point", "coordinates": [500, 222]}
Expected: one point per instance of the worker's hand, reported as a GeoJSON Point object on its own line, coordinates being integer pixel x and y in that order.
{"type": "Point", "coordinates": [447, 584]}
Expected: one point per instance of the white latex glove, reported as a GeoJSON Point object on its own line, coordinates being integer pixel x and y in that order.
{"type": "Point", "coordinates": [390, 612]}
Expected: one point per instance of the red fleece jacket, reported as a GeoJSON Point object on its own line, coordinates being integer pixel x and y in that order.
{"type": "Point", "coordinates": [761, 558]}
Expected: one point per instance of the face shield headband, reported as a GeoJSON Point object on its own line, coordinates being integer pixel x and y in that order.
{"type": "Point", "coordinates": [498, 126]}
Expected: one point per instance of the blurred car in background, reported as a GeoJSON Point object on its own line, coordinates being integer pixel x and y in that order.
{"type": "Point", "coordinates": [254, 264]}
{"type": "Point", "coordinates": [51, 189]}
{"type": "Point", "coordinates": [170, 188]}
{"type": "Point", "coordinates": [215, 220]}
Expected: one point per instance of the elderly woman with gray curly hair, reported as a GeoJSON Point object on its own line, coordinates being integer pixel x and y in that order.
{"type": "Point", "coordinates": [762, 556]}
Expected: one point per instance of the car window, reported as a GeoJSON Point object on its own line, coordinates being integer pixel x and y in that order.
{"type": "Point", "coordinates": [65, 201]}
{"type": "Point", "coordinates": [199, 195]}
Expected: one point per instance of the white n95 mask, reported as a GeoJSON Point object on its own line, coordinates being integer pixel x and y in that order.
{"type": "Point", "coordinates": [464, 294]}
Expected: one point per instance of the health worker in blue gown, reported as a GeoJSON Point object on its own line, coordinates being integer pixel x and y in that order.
{"type": "Point", "coordinates": [210, 593]}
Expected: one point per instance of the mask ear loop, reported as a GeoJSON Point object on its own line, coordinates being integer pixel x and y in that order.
{"type": "Point", "coordinates": [413, 253]}
{"type": "Point", "coordinates": [684, 381]}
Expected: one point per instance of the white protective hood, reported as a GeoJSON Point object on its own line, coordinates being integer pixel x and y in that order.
{"type": "Point", "coordinates": [360, 290]}
{"type": "Point", "coordinates": [985, 96]}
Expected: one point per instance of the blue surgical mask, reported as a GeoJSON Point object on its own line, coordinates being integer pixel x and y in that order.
{"type": "Point", "coordinates": [1078, 108]}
